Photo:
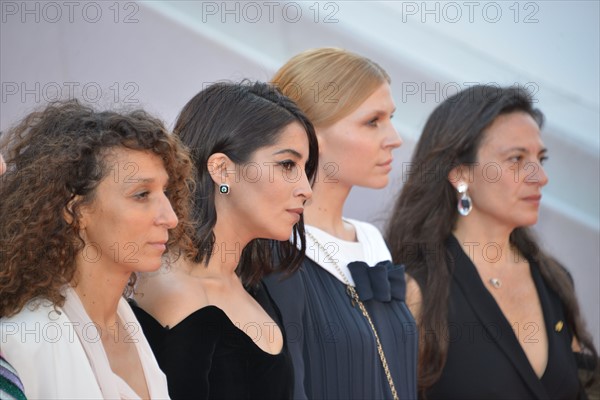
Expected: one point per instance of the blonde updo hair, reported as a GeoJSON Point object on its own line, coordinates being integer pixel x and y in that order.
{"type": "Point", "coordinates": [329, 83]}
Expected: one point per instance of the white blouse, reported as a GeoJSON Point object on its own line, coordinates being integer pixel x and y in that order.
{"type": "Point", "coordinates": [369, 247]}
{"type": "Point", "coordinates": [58, 354]}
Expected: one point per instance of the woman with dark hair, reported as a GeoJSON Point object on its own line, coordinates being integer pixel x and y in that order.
{"type": "Point", "coordinates": [498, 316]}
{"type": "Point", "coordinates": [89, 199]}
{"type": "Point", "coordinates": [351, 334]}
{"type": "Point", "coordinates": [209, 319]}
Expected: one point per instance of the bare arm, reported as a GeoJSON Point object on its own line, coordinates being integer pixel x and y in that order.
{"type": "Point", "coordinates": [414, 297]}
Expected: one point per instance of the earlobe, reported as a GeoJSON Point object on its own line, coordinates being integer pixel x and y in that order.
{"type": "Point", "coordinates": [68, 211]}
{"type": "Point", "coordinates": [69, 214]}
{"type": "Point", "coordinates": [455, 176]}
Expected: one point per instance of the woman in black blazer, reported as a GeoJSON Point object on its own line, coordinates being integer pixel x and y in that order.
{"type": "Point", "coordinates": [498, 317]}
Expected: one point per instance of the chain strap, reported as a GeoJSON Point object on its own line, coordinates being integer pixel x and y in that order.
{"type": "Point", "coordinates": [351, 291]}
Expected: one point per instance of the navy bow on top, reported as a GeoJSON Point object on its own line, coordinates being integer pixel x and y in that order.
{"type": "Point", "coordinates": [382, 282]}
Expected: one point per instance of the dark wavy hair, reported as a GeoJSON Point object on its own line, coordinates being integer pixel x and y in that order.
{"type": "Point", "coordinates": [237, 119]}
{"type": "Point", "coordinates": [56, 159]}
{"type": "Point", "coordinates": [425, 214]}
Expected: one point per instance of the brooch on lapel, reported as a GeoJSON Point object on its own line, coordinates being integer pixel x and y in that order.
{"type": "Point", "coordinates": [558, 327]}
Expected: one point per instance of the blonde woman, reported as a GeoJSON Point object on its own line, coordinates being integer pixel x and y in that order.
{"type": "Point", "coordinates": [350, 333]}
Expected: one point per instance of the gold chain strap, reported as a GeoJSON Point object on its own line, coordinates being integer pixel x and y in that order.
{"type": "Point", "coordinates": [355, 299]}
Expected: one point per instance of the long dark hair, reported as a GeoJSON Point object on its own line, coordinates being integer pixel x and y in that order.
{"type": "Point", "coordinates": [237, 119]}
{"type": "Point", "coordinates": [57, 157]}
{"type": "Point", "coordinates": [425, 214]}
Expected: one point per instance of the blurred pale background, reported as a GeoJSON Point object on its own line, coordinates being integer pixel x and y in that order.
{"type": "Point", "coordinates": [157, 54]}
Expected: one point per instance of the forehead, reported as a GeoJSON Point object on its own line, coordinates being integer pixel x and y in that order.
{"type": "Point", "coordinates": [293, 136]}
{"type": "Point", "coordinates": [516, 129]}
{"type": "Point", "coordinates": [134, 163]}
{"type": "Point", "coordinates": [380, 100]}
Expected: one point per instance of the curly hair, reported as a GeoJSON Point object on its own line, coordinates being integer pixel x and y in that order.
{"type": "Point", "coordinates": [56, 159]}
{"type": "Point", "coordinates": [237, 119]}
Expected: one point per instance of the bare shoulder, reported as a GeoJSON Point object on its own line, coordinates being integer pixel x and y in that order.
{"type": "Point", "coordinates": [414, 297]}
{"type": "Point", "coordinates": [170, 295]}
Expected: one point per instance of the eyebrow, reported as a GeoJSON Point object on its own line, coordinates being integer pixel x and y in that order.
{"type": "Point", "coordinates": [380, 113]}
{"type": "Point", "coordinates": [291, 151]}
{"type": "Point", "coordinates": [524, 150]}
{"type": "Point", "coordinates": [131, 180]}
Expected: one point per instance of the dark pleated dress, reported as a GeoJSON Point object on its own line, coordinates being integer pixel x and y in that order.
{"type": "Point", "coordinates": [332, 346]}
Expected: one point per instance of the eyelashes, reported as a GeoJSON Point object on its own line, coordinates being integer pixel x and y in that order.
{"type": "Point", "coordinates": [374, 122]}
{"type": "Point", "coordinates": [145, 194]}
{"type": "Point", "coordinates": [141, 195]}
{"type": "Point", "coordinates": [520, 159]}
{"type": "Point", "coordinates": [287, 165]}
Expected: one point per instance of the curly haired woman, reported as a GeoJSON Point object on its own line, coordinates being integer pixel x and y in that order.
{"type": "Point", "coordinates": [89, 199]}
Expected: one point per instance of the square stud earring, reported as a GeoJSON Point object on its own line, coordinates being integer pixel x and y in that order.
{"type": "Point", "coordinates": [224, 188]}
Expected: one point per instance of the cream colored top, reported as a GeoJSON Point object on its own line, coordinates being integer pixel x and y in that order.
{"type": "Point", "coordinates": [59, 354]}
{"type": "Point", "coordinates": [369, 247]}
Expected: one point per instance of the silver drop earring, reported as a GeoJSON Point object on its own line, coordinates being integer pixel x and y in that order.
{"type": "Point", "coordinates": [465, 205]}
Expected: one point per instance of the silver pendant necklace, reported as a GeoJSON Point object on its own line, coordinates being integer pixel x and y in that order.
{"type": "Point", "coordinates": [496, 283]}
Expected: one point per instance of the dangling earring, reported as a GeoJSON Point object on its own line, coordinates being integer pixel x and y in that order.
{"type": "Point", "coordinates": [465, 205]}
{"type": "Point", "coordinates": [224, 188]}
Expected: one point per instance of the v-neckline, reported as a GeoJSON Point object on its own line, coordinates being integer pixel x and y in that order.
{"type": "Point", "coordinates": [489, 312]}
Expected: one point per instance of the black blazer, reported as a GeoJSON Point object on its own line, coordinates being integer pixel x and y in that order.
{"type": "Point", "coordinates": [485, 359]}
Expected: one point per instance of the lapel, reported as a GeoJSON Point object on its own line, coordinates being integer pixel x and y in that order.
{"type": "Point", "coordinates": [490, 316]}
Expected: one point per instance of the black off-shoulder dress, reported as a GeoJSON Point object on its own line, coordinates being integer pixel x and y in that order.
{"type": "Point", "coordinates": [206, 356]}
